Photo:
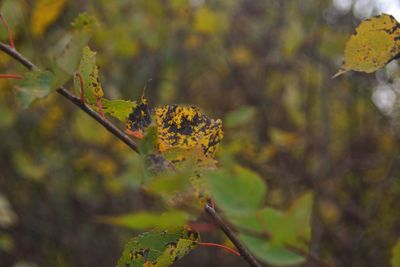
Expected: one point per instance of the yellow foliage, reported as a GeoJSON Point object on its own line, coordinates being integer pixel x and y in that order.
{"type": "Point", "coordinates": [206, 21]}
{"type": "Point", "coordinates": [44, 13]}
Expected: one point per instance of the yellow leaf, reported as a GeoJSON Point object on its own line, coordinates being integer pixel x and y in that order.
{"type": "Point", "coordinates": [187, 128]}
{"type": "Point", "coordinates": [44, 13]}
{"type": "Point", "coordinates": [375, 43]}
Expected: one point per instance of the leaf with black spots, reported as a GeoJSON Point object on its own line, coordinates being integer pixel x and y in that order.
{"type": "Point", "coordinates": [158, 248]}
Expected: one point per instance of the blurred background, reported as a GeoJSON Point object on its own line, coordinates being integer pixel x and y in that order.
{"type": "Point", "coordinates": [264, 67]}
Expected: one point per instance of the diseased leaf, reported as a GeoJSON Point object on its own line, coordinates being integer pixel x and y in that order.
{"type": "Point", "coordinates": [86, 66]}
{"type": "Point", "coordinates": [395, 261]}
{"type": "Point", "coordinates": [159, 248]}
{"type": "Point", "coordinates": [187, 128]}
{"type": "Point", "coordinates": [375, 43]}
{"type": "Point", "coordinates": [36, 84]}
{"type": "Point", "coordinates": [236, 190]}
{"type": "Point", "coordinates": [44, 13]}
{"type": "Point", "coordinates": [148, 220]}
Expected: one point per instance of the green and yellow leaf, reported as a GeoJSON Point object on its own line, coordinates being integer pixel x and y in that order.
{"type": "Point", "coordinates": [375, 43]}
{"type": "Point", "coordinates": [158, 248]}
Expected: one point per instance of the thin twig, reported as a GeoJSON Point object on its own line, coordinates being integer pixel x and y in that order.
{"type": "Point", "coordinates": [75, 100]}
{"type": "Point", "coordinates": [232, 236]}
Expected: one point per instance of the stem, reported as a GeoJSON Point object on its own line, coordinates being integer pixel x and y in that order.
{"type": "Point", "coordinates": [100, 107]}
{"type": "Point", "coordinates": [205, 244]}
{"type": "Point", "coordinates": [11, 76]}
{"type": "Point", "coordinates": [81, 91]}
{"type": "Point", "coordinates": [75, 100]}
{"type": "Point", "coordinates": [231, 235]}
{"type": "Point", "coordinates": [10, 38]}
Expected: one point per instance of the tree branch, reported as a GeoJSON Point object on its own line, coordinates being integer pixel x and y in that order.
{"type": "Point", "coordinates": [231, 235]}
{"type": "Point", "coordinates": [128, 141]}
{"type": "Point", "coordinates": [75, 100]}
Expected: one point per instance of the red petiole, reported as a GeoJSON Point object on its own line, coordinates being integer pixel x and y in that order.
{"type": "Point", "coordinates": [10, 38]}
{"type": "Point", "coordinates": [11, 76]}
{"type": "Point", "coordinates": [205, 244]}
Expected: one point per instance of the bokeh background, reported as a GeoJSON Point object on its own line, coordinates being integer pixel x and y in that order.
{"type": "Point", "coordinates": [264, 67]}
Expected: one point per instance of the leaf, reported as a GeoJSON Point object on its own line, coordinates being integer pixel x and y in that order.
{"type": "Point", "coordinates": [86, 66]}
{"type": "Point", "coordinates": [158, 248]}
{"type": "Point", "coordinates": [119, 109]}
{"type": "Point", "coordinates": [85, 22]}
{"type": "Point", "coordinates": [263, 250]}
{"type": "Point", "coordinates": [36, 84]}
{"type": "Point", "coordinates": [70, 49]}
{"type": "Point", "coordinates": [239, 116]}
{"type": "Point", "coordinates": [147, 220]}
{"type": "Point", "coordinates": [44, 13]}
{"type": "Point", "coordinates": [187, 128]}
{"type": "Point", "coordinates": [236, 190]}
{"type": "Point", "coordinates": [375, 43]}
{"type": "Point", "coordinates": [395, 261]}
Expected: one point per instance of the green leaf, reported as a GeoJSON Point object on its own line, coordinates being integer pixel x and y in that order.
{"type": "Point", "coordinates": [84, 21]}
{"type": "Point", "coordinates": [299, 216]}
{"type": "Point", "coordinates": [119, 109]}
{"type": "Point", "coordinates": [70, 49]}
{"type": "Point", "coordinates": [239, 116]}
{"type": "Point", "coordinates": [236, 190]}
{"type": "Point", "coordinates": [268, 253]}
{"type": "Point", "coordinates": [395, 261]}
{"type": "Point", "coordinates": [289, 228]}
{"type": "Point", "coordinates": [158, 248]}
{"type": "Point", "coordinates": [36, 84]}
{"type": "Point", "coordinates": [148, 220]}
{"type": "Point", "coordinates": [86, 66]}
{"type": "Point", "coordinates": [374, 44]}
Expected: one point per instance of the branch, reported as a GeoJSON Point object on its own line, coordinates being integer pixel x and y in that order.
{"type": "Point", "coordinates": [231, 235]}
{"type": "Point", "coordinates": [75, 100]}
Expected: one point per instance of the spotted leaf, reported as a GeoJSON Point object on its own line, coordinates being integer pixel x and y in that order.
{"type": "Point", "coordinates": [375, 43]}
{"type": "Point", "coordinates": [187, 128]}
{"type": "Point", "coordinates": [158, 248]}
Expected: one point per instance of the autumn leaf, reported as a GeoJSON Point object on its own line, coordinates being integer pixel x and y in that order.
{"type": "Point", "coordinates": [375, 43]}
{"type": "Point", "coordinates": [158, 248]}
{"type": "Point", "coordinates": [187, 128]}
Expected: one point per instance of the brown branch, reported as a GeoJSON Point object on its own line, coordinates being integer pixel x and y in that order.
{"type": "Point", "coordinates": [232, 236]}
{"type": "Point", "coordinates": [75, 100]}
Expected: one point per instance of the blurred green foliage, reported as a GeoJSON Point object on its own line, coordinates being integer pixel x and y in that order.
{"type": "Point", "coordinates": [264, 67]}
